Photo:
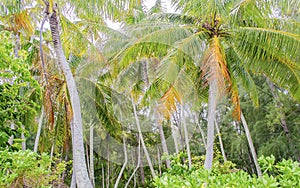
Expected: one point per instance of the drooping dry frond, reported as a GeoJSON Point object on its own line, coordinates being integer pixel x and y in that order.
{"type": "Point", "coordinates": [167, 104]}
{"type": "Point", "coordinates": [214, 66]}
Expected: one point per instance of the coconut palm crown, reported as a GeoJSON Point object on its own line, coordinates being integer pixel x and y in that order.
{"type": "Point", "coordinates": [229, 41]}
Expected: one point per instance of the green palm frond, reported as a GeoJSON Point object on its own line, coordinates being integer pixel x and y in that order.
{"type": "Point", "coordinates": [113, 9]}
{"type": "Point", "coordinates": [239, 75]}
{"type": "Point", "coordinates": [155, 44]}
{"type": "Point", "coordinates": [250, 13]}
{"type": "Point", "coordinates": [273, 53]}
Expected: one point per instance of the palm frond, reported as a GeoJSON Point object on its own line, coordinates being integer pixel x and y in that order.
{"type": "Point", "coordinates": [273, 53]}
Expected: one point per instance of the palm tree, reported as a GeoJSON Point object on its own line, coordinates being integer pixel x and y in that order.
{"type": "Point", "coordinates": [228, 41]}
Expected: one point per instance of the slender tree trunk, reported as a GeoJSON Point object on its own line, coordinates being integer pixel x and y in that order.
{"type": "Point", "coordinates": [142, 139]}
{"type": "Point", "coordinates": [201, 131]}
{"type": "Point", "coordinates": [124, 165]}
{"type": "Point", "coordinates": [92, 176]}
{"type": "Point", "coordinates": [175, 136]}
{"type": "Point", "coordinates": [81, 173]}
{"type": "Point", "coordinates": [38, 134]}
{"type": "Point", "coordinates": [212, 105]}
{"type": "Point", "coordinates": [163, 142]}
{"type": "Point", "coordinates": [23, 138]}
{"type": "Point", "coordinates": [142, 170]}
{"type": "Point", "coordinates": [220, 141]}
{"type": "Point", "coordinates": [250, 142]}
{"type": "Point", "coordinates": [11, 138]}
{"type": "Point", "coordinates": [186, 136]}
{"type": "Point", "coordinates": [103, 178]}
{"type": "Point", "coordinates": [137, 166]}
{"type": "Point", "coordinates": [87, 157]}
{"type": "Point", "coordinates": [158, 160]}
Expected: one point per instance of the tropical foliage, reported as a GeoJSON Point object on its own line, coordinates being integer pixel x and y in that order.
{"type": "Point", "coordinates": [168, 98]}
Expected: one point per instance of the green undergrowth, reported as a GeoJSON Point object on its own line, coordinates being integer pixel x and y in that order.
{"type": "Point", "coordinates": [285, 173]}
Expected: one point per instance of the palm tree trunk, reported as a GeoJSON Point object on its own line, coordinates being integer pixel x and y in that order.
{"type": "Point", "coordinates": [38, 134]}
{"type": "Point", "coordinates": [186, 137]}
{"type": "Point", "coordinates": [137, 166]}
{"type": "Point", "coordinates": [175, 136]}
{"type": "Point", "coordinates": [103, 178]}
{"type": "Point", "coordinates": [124, 165]}
{"type": "Point", "coordinates": [142, 139]}
{"type": "Point", "coordinates": [163, 143]}
{"type": "Point", "coordinates": [212, 105]}
{"type": "Point", "coordinates": [201, 131]}
{"type": "Point", "coordinates": [250, 142]}
{"type": "Point", "coordinates": [23, 138]}
{"type": "Point", "coordinates": [73, 181]}
{"type": "Point", "coordinates": [92, 176]}
{"type": "Point", "coordinates": [158, 160]}
{"type": "Point", "coordinates": [81, 173]}
{"type": "Point", "coordinates": [221, 143]}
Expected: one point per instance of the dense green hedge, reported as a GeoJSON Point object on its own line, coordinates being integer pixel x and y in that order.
{"type": "Point", "coordinates": [283, 174]}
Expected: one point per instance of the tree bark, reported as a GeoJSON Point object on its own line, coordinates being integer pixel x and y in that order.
{"type": "Point", "coordinates": [142, 139]}
{"type": "Point", "coordinates": [220, 141]}
{"type": "Point", "coordinates": [186, 138]}
{"type": "Point", "coordinates": [137, 166]}
{"type": "Point", "coordinates": [212, 105]}
{"type": "Point", "coordinates": [124, 165]}
{"type": "Point", "coordinates": [80, 169]}
{"type": "Point", "coordinates": [201, 131]}
{"type": "Point", "coordinates": [175, 136]}
{"type": "Point", "coordinates": [163, 143]}
{"type": "Point", "coordinates": [92, 176]}
{"type": "Point", "coordinates": [23, 138]}
{"type": "Point", "coordinates": [250, 142]}
{"type": "Point", "coordinates": [38, 134]}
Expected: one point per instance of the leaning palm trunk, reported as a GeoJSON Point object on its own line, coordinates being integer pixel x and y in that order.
{"type": "Point", "coordinates": [250, 142]}
{"type": "Point", "coordinates": [163, 143]}
{"type": "Point", "coordinates": [91, 172]}
{"type": "Point", "coordinates": [124, 165]}
{"type": "Point", "coordinates": [142, 139]}
{"type": "Point", "coordinates": [186, 138]}
{"type": "Point", "coordinates": [80, 169]}
{"type": "Point", "coordinates": [175, 135]}
{"type": "Point", "coordinates": [212, 105]}
{"type": "Point", "coordinates": [137, 166]}
{"type": "Point", "coordinates": [220, 142]}
{"type": "Point", "coordinates": [38, 134]}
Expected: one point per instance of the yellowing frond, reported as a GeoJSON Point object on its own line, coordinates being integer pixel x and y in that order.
{"type": "Point", "coordinates": [214, 65]}
{"type": "Point", "coordinates": [22, 21]}
{"type": "Point", "coordinates": [236, 103]}
{"type": "Point", "coordinates": [168, 102]}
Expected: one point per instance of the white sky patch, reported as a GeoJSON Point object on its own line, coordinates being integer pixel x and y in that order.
{"type": "Point", "coordinates": [148, 5]}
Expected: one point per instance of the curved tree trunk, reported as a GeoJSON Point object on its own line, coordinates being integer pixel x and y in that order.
{"type": "Point", "coordinates": [80, 169]}
{"type": "Point", "coordinates": [38, 134]}
{"type": "Point", "coordinates": [92, 176]}
{"type": "Point", "coordinates": [212, 105]}
{"type": "Point", "coordinates": [186, 138]}
{"type": "Point", "coordinates": [124, 165]}
{"type": "Point", "coordinates": [175, 136]}
{"type": "Point", "coordinates": [142, 139]}
{"type": "Point", "coordinates": [250, 142]}
{"type": "Point", "coordinates": [163, 143]}
{"type": "Point", "coordinates": [137, 166]}
{"type": "Point", "coordinates": [221, 143]}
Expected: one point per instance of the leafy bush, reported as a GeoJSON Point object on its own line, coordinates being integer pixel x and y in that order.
{"type": "Point", "coordinates": [27, 169]}
{"type": "Point", "coordinates": [284, 174]}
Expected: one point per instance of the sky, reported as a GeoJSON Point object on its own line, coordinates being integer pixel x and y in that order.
{"type": "Point", "coordinates": [148, 4]}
